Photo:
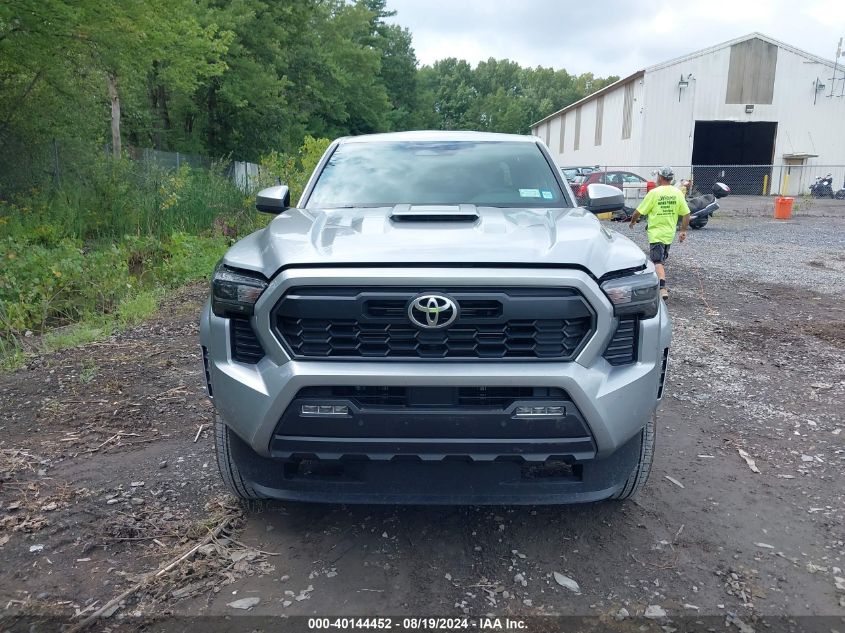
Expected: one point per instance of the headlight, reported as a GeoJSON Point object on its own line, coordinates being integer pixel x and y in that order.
{"type": "Point", "coordinates": [234, 292]}
{"type": "Point", "coordinates": [634, 294]}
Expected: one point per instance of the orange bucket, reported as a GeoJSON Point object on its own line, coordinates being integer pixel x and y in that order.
{"type": "Point", "coordinates": [783, 208]}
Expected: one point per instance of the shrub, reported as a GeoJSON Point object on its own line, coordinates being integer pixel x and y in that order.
{"type": "Point", "coordinates": [293, 170]}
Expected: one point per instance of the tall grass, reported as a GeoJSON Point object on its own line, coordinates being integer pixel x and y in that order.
{"type": "Point", "coordinates": [113, 198]}
{"type": "Point", "coordinates": [97, 250]}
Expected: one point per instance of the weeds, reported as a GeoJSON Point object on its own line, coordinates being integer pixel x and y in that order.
{"type": "Point", "coordinates": [96, 254]}
{"type": "Point", "coordinates": [88, 373]}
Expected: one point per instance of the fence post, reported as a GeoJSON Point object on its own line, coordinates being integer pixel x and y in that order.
{"type": "Point", "coordinates": [177, 160]}
{"type": "Point", "coordinates": [57, 179]}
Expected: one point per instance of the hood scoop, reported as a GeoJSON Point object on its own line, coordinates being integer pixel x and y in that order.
{"type": "Point", "coordinates": [434, 213]}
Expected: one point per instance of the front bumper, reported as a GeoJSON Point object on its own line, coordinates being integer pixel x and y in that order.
{"type": "Point", "coordinates": [445, 482]}
{"type": "Point", "coordinates": [614, 402]}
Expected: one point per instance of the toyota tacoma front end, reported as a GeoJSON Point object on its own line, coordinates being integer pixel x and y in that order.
{"type": "Point", "coordinates": [437, 322]}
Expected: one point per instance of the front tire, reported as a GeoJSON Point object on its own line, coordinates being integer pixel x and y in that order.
{"type": "Point", "coordinates": [227, 464]}
{"type": "Point", "coordinates": [639, 476]}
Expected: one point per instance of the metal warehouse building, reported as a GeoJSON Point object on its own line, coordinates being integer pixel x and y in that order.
{"type": "Point", "coordinates": [750, 101]}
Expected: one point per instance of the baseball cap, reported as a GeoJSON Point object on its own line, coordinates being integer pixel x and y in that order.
{"type": "Point", "coordinates": [666, 172]}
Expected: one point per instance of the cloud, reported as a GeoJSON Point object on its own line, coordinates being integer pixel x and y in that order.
{"type": "Point", "coordinates": [613, 37]}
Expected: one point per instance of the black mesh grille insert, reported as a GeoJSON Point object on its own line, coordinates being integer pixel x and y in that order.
{"type": "Point", "coordinates": [245, 345]}
{"type": "Point", "coordinates": [622, 349]}
{"type": "Point", "coordinates": [508, 323]}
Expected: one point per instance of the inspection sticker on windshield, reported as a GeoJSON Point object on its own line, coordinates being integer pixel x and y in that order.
{"type": "Point", "coordinates": [547, 194]}
{"type": "Point", "coordinates": [529, 193]}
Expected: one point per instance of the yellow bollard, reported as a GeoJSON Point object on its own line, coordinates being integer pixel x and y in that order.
{"type": "Point", "coordinates": [784, 190]}
{"type": "Point", "coordinates": [765, 184]}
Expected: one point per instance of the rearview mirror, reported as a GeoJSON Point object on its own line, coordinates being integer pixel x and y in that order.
{"type": "Point", "coordinates": [273, 199]}
{"type": "Point", "coordinates": [602, 198]}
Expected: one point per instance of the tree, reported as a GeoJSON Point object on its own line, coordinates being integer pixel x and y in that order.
{"type": "Point", "coordinates": [240, 78]}
{"type": "Point", "coordinates": [50, 45]}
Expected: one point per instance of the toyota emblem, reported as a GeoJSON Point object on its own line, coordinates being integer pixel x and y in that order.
{"type": "Point", "coordinates": [432, 311]}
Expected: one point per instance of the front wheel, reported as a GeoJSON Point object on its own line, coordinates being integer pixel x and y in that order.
{"type": "Point", "coordinates": [227, 462]}
{"type": "Point", "coordinates": [840, 195]}
{"type": "Point", "coordinates": [639, 476]}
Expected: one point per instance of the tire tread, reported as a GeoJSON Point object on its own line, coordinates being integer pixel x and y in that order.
{"type": "Point", "coordinates": [639, 476]}
{"type": "Point", "coordinates": [227, 465]}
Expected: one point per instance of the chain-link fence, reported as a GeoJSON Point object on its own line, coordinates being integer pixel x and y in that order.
{"type": "Point", "coordinates": [243, 174]}
{"type": "Point", "coordinates": [37, 165]}
{"type": "Point", "coordinates": [813, 184]}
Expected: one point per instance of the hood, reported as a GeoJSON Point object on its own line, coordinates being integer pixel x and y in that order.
{"type": "Point", "coordinates": [499, 237]}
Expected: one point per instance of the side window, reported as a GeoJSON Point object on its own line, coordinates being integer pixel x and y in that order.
{"type": "Point", "coordinates": [629, 177]}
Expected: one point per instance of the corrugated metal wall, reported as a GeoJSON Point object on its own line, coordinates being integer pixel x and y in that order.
{"type": "Point", "coordinates": [598, 140]}
{"type": "Point", "coordinates": [663, 114]}
{"type": "Point", "coordinates": [671, 112]}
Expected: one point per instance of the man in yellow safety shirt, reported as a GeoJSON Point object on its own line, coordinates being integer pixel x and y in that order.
{"type": "Point", "coordinates": [663, 205]}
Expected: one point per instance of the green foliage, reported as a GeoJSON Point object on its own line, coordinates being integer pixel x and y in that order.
{"type": "Point", "coordinates": [293, 169]}
{"type": "Point", "coordinates": [112, 198]}
{"type": "Point", "coordinates": [43, 285]}
{"type": "Point", "coordinates": [87, 291]}
{"type": "Point", "coordinates": [87, 250]}
{"type": "Point", "coordinates": [188, 258]}
{"type": "Point", "coordinates": [92, 329]}
{"type": "Point", "coordinates": [497, 95]}
{"type": "Point", "coordinates": [88, 372]}
{"type": "Point", "coordinates": [90, 246]}
{"type": "Point", "coordinates": [239, 78]}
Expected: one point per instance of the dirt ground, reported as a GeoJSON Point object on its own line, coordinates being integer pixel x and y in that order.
{"type": "Point", "coordinates": [106, 475]}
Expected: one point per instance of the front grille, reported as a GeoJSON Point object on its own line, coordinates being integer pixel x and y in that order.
{"type": "Point", "coordinates": [476, 397]}
{"type": "Point", "coordinates": [373, 323]}
{"type": "Point", "coordinates": [622, 349]}
{"type": "Point", "coordinates": [245, 345]}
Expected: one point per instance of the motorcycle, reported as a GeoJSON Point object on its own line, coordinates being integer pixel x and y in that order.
{"type": "Point", "coordinates": [823, 187]}
{"type": "Point", "coordinates": [702, 207]}
{"type": "Point", "coordinates": [840, 195]}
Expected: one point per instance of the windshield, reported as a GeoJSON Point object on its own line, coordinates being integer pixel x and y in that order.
{"type": "Point", "coordinates": [488, 173]}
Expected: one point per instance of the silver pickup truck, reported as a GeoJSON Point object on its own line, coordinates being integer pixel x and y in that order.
{"type": "Point", "coordinates": [437, 321]}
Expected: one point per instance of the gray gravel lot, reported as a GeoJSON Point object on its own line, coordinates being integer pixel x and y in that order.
{"type": "Point", "coordinates": [743, 241]}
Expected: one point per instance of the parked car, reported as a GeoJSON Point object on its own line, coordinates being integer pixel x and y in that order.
{"type": "Point", "coordinates": [571, 173]}
{"type": "Point", "coordinates": [633, 187]}
{"type": "Point", "coordinates": [437, 322]}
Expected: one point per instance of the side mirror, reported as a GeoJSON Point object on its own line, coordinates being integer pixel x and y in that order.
{"type": "Point", "coordinates": [602, 198]}
{"type": "Point", "coordinates": [273, 199]}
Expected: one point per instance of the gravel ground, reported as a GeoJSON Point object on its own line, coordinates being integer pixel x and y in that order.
{"type": "Point", "coordinates": [743, 242]}
{"type": "Point", "coordinates": [106, 473]}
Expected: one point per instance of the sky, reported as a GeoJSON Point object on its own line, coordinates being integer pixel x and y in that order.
{"type": "Point", "coordinates": [609, 37]}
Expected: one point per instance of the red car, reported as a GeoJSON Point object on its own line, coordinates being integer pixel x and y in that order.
{"type": "Point", "coordinates": [635, 187]}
